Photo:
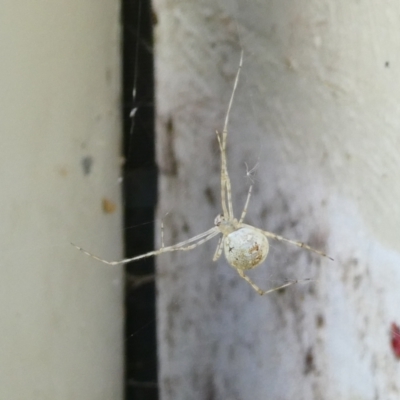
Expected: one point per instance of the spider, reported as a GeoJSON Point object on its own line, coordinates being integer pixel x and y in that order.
{"type": "Point", "coordinates": [245, 246]}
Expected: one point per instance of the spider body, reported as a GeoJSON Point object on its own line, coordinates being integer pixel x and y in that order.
{"type": "Point", "coordinates": [245, 246]}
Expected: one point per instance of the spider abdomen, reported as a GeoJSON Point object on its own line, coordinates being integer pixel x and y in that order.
{"type": "Point", "coordinates": [245, 248]}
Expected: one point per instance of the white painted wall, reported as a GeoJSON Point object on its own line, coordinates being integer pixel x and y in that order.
{"type": "Point", "coordinates": [60, 312]}
{"type": "Point", "coordinates": [317, 110]}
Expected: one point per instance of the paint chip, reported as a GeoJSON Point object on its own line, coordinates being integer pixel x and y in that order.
{"type": "Point", "coordinates": [108, 206]}
{"type": "Point", "coordinates": [395, 339]}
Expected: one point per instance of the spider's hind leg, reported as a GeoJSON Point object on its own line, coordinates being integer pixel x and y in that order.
{"type": "Point", "coordinates": [283, 239]}
{"type": "Point", "coordinates": [260, 291]}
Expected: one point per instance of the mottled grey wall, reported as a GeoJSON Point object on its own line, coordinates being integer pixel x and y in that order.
{"type": "Point", "coordinates": [317, 110]}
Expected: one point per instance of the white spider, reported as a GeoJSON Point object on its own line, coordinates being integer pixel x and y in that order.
{"type": "Point", "coordinates": [245, 246]}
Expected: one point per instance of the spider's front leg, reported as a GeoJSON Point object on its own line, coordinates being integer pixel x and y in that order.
{"type": "Point", "coordinates": [218, 250]}
{"type": "Point", "coordinates": [226, 190]}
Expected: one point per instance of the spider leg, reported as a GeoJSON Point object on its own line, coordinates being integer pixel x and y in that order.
{"type": "Point", "coordinates": [219, 248]}
{"type": "Point", "coordinates": [182, 246]}
{"type": "Point", "coordinates": [223, 174]}
{"type": "Point", "coordinates": [225, 180]}
{"type": "Point", "coordinates": [246, 205]}
{"type": "Point", "coordinates": [263, 292]}
{"type": "Point", "coordinates": [233, 94]}
{"type": "Point", "coordinates": [226, 190]}
{"type": "Point", "coordinates": [282, 239]}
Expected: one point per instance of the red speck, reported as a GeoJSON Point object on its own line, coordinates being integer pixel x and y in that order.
{"type": "Point", "coordinates": [395, 339]}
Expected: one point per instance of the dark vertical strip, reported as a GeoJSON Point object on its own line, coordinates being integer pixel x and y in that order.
{"type": "Point", "coordinates": [140, 182]}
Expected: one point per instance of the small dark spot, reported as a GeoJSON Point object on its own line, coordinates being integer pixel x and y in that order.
{"type": "Point", "coordinates": [170, 126]}
{"type": "Point", "coordinates": [357, 281]}
{"type": "Point", "coordinates": [230, 249]}
{"type": "Point", "coordinates": [264, 212]}
{"type": "Point", "coordinates": [209, 389]}
{"type": "Point", "coordinates": [174, 307]}
{"type": "Point", "coordinates": [173, 233]}
{"type": "Point", "coordinates": [154, 18]}
{"type": "Point", "coordinates": [108, 75]}
{"type": "Point", "coordinates": [281, 290]}
{"type": "Point", "coordinates": [311, 289]}
{"type": "Point", "coordinates": [209, 196]}
{"type": "Point", "coordinates": [171, 163]}
{"type": "Point", "coordinates": [87, 163]}
{"type": "Point", "coordinates": [320, 321]}
{"type": "Point", "coordinates": [387, 64]}
{"type": "Point", "coordinates": [185, 227]}
{"type": "Point", "coordinates": [309, 365]}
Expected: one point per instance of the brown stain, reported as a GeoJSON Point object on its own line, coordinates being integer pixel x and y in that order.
{"type": "Point", "coordinates": [309, 362]}
{"type": "Point", "coordinates": [154, 17]}
{"type": "Point", "coordinates": [121, 161]}
{"type": "Point", "coordinates": [254, 249]}
{"type": "Point", "coordinates": [256, 255]}
{"type": "Point", "coordinates": [63, 171]}
{"type": "Point", "coordinates": [320, 321]}
{"type": "Point", "coordinates": [290, 63]}
{"type": "Point", "coordinates": [209, 194]}
{"type": "Point", "coordinates": [108, 206]}
{"type": "Point", "coordinates": [257, 260]}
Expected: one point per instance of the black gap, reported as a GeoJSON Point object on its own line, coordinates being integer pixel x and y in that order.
{"type": "Point", "coordinates": [140, 182]}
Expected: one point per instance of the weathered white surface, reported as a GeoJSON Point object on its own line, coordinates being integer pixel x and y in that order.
{"type": "Point", "coordinates": [60, 312]}
{"type": "Point", "coordinates": [318, 110]}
